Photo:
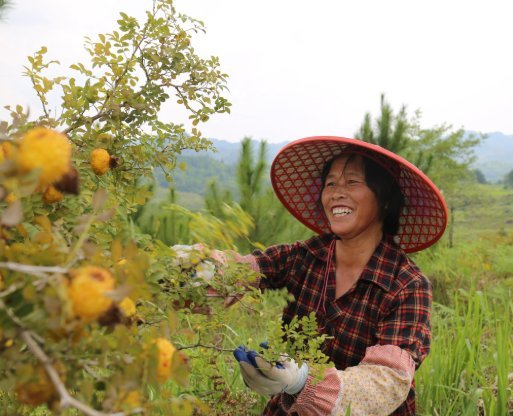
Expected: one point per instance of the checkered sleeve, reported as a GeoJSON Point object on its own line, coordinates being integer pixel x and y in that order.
{"type": "Point", "coordinates": [380, 383]}
{"type": "Point", "coordinates": [275, 264]}
{"type": "Point", "coordinates": [406, 322]}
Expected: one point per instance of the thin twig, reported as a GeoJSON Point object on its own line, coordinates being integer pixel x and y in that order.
{"type": "Point", "coordinates": [212, 347]}
{"type": "Point", "coordinates": [39, 271]}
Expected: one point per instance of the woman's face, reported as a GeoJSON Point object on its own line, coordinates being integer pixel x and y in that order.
{"type": "Point", "coordinates": [349, 204]}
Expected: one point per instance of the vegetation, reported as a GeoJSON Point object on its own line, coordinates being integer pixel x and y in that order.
{"type": "Point", "coordinates": [440, 152]}
{"type": "Point", "coordinates": [508, 179]}
{"type": "Point", "coordinates": [271, 222]}
{"type": "Point", "coordinates": [103, 310]}
{"type": "Point", "coordinates": [95, 316]}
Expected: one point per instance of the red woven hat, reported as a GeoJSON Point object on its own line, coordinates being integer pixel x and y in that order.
{"type": "Point", "coordinates": [296, 179]}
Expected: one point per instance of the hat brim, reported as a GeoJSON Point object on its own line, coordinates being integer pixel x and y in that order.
{"type": "Point", "coordinates": [296, 180]}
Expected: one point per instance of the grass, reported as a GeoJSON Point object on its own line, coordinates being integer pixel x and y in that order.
{"type": "Point", "coordinates": [468, 369]}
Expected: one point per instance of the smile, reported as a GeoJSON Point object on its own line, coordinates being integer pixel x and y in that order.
{"type": "Point", "coordinates": [341, 211]}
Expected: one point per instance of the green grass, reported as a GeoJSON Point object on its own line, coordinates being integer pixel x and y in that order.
{"type": "Point", "coordinates": [467, 371]}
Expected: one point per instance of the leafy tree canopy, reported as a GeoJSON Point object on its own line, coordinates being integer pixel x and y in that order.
{"type": "Point", "coordinates": [441, 152]}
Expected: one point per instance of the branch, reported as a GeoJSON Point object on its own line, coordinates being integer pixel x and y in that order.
{"type": "Point", "coordinates": [66, 400]}
{"type": "Point", "coordinates": [83, 120]}
{"type": "Point", "coordinates": [212, 347]}
{"type": "Point", "coordinates": [39, 271]}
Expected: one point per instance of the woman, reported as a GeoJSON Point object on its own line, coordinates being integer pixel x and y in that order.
{"type": "Point", "coordinates": [370, 207]}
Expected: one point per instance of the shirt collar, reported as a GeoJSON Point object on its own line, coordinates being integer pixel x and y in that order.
{"type": "Point", "coordinates": [319, 245]}
{"type": "Point", "coordinates": [381, 267]}
{"type": "Point", "coordinates": [383, 264]}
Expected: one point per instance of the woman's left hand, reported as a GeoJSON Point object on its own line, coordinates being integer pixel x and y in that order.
{"type": "Point", "coordinates": [266, 378]}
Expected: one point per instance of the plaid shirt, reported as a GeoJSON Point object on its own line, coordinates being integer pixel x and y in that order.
{"type": "Point", "coordinates": [389, 305]}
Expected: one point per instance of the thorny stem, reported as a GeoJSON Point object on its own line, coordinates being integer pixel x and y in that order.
{"type": "Point", "coordinates": [80, 240]}
{"type": "Point", "coordinates": [39, 271]}
{"type": "Point", "coordinates": [44, 273]}
{"type": "Point", "coordinates": [66, 400]}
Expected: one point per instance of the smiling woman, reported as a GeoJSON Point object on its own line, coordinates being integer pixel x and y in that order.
{"type": "Point", "coordinates": [348, 203]}
{"type": "Point", "coordinates": [369, 298]}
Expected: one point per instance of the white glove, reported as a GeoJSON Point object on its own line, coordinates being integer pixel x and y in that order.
{"type": "Point", "coordinates": [266, 378]}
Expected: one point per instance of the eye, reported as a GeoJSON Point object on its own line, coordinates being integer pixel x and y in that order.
{"type": "Point", "coordinates": [330, 184]}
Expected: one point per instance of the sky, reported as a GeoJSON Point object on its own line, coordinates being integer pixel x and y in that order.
{"type": "Point", "coordinates": [301, 68]}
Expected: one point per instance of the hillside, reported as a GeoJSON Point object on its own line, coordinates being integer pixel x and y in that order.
{"type": "Point", "coordinates": [494, 158]}
{"type": "Point", "coordinates": [228, 152]}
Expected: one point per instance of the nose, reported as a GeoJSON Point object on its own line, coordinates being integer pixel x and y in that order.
{"type": "Point", "coordinates": [339, 191]}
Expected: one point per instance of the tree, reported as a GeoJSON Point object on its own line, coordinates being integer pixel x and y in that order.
{"type": "Point", "coordinates": [480, 177]}
{"type": "Point", "coordinates": [60, 254]}
{"type": "Point", "coordinates": [508, 179]}
{"type": "Point", "coordinates": [388, 130]}
{"type": "Point", "coordinates": [95, 316]}
{"type": "Point", "coordinates": [4, 6]}
{"type": "Point", "coordinates": [440, 152]}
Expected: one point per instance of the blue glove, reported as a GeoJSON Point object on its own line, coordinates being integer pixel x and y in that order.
{"type": "Point", "coordinates": [269, 379]}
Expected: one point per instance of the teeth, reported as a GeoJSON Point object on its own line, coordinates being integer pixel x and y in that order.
{"type": "Point", "coordinates": [341, 211]}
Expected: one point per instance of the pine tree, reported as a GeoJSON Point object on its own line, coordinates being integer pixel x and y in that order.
{"type": "Point", "coordinates": [271, 222]}
{"type": "Point", "coordinates": [389, 131]}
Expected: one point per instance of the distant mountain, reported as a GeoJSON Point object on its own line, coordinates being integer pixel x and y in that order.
{"type": "Point", "coordinates": [494, 160]}
{"type": "Point", "coordinates": [228, 152]}
{"type": "Point", "coordinates": [495, 156]}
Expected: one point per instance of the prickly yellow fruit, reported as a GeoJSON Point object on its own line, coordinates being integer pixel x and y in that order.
{"type": "Point", "coordinates": [127, 307]}
{"type": "Point", "coordinates": [36, 391]}
{"type": "Point", "coordinates": [87, 292]}
{"type": "Point", "coordinates": [132, 399]}
{"type": "Point", "coordinates": [52, 195]}
{"type": "Point", "coordinates": [46, 150]}
{"type": "Point", "coordinates": [100, 161]}
{"type": "Point", "coordinates": [166, 350]}
{"type": "Point", "coordinates": [10, 198]}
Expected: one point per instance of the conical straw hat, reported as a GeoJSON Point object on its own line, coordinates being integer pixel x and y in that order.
{"type": "Point", "coordinates": [296, 179]}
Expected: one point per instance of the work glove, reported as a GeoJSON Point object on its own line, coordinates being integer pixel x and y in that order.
{"type": "Point", "coordinates": [268, 379]}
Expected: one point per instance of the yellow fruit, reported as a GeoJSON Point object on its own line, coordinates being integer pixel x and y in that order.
{"type": "Point", "coordinates": [132, 399]}
{"type": "Point", "coordinates": [166, 351]}
{"type": "Point", "coordinates": [87, 292]}
{"type": "Point", "coordinates": [36, 391]}
{"type": "Point", "coordinates": [52, 195]}
{"type": "Point", "coordinates": [10, 198]}
{"type": "Point", "coordinates": [47, 150]}
{"type": "Point", "coordinates": [100, 161]}
{"type": "Point", "coordinates": [127, 307]}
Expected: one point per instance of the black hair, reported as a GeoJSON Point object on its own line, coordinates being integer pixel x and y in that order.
{"type": "Point", "coordinates": [383, 184]}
